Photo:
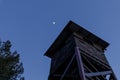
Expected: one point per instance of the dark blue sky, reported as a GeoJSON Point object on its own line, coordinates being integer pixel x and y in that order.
{"type": "Point", "coordinates": [28, 24]}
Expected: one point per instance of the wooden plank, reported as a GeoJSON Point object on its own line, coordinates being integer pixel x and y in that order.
{"type": "Point", "coordinates": [91, 50]}
{"type": "Point", "coordinates": [98, 73]}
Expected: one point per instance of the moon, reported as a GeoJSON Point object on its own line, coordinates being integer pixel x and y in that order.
{"type": "Point", "coordinates": [54, 22]}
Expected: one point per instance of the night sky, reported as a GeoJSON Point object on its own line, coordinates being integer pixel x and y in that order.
{"type": "Point", "coordinates": [33, 25]}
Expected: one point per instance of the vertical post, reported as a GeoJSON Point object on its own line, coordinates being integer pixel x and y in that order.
{"type": "Point", "coordinates": [80, 64]}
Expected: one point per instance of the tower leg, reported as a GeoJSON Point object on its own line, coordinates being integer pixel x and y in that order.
{"type": "Point", "coordinates": [80, 64]}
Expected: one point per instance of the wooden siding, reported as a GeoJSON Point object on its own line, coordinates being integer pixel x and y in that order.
{"type": "Point", "coordinates": [91, 50]}
{"type": "Point", "coordinates": [61, 55]}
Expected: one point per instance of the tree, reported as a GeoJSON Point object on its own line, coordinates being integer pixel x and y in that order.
{"type": "Point", "coordinates": [10, 66]}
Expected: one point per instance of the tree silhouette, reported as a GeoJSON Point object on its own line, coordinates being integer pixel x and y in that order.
{"type": "Point", "coordinates": [10, 66]}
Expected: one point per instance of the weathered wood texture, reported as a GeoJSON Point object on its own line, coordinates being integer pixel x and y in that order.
{"type": "Point", "coordinates": [91, 49]}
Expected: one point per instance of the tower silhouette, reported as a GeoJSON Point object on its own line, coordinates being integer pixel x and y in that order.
{"type": "Point", "coordinates": [77, 54]}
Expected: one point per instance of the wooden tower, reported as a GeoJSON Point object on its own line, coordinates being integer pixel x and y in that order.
{"type": "Point", "coordinates": [77, 54]}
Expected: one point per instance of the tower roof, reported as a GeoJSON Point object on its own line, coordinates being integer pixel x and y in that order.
{"type": "Point", "coordinates": [69, 29]}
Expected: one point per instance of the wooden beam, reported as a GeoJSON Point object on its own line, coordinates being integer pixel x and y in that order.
{"type": "Point", "coordinates": [98, 73]}
{"type": "Point", "coordinates": [95, 59]}
{"type": "Point", "coordinates": [67, 67]}
{"type": "Point", "coordinates": [90, 64]}
{"type": "Point", "coordinates": [89, 71]}
{"type": "Point", "coordinates": [80, 64]}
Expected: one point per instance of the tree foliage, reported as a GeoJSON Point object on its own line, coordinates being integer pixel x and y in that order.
{"type": "Point", "coordinates": [10, 66]}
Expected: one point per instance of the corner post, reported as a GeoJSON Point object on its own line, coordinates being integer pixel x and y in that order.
{"type": "Point", "coordinates": [80, 63]}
